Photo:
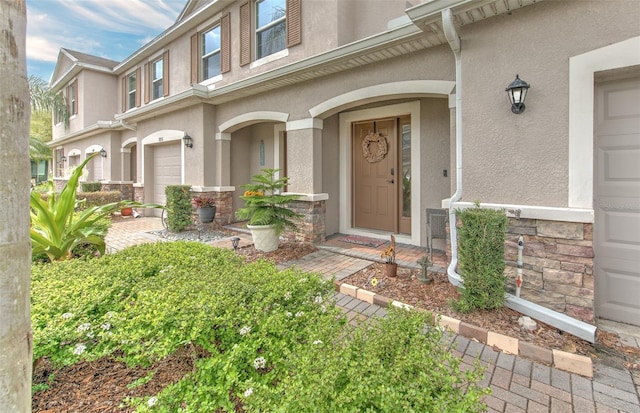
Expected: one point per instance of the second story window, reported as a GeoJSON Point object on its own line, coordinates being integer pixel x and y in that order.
{"type": "Point", "coordinates": [157, 75]}
{"type": "Point", "coordinates": [271, 27]}
{"type": "Point", "coordinates": [132, 91]}
{"type": "Point", "coordinates": [72, 98]}
{"type": "Point", "coordinates": [210, 53]}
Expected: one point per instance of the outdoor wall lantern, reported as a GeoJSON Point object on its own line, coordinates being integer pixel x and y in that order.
{"type": "Point", "coordinates": [103, 153]}
{"type": "Point", "coordinates": [63, 159]}
{"type": "Point", "coordinates": [235, 241]}
{"type": "Point", "coordinates": [188, 141]}
{"type": "Point", "coordinates": [517, 91]}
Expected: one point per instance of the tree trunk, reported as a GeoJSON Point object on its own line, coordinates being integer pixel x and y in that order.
{"type": "Point", "coordinates": [15, 249]}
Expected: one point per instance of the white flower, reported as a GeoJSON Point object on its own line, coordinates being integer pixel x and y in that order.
{"type": "Point", "coordinates": [259, 363]}
{"type": "Point", "coordinates": [303, 279]}
{"type": "Point", "coordinates": [323, 308]}
{"type": "Point", "coordinates": [317, 342]}
{"type": "Point", "coordinates": [289, 314]}
{"type": "Point", "coordinates": [106, 326]}
{"type": "Point", "coordinates": [287, 295]}
{"type": "Point", "coordinates": [83, 327]}
{"type": "Point", "coordinates": [317, 299]}
{"type": "Point", "coordinates": [152, 401]}
{"type": "Point", "coordinates": [299, 313]}
{"type": "Point", "coordinates": [67, 316]}
{"type": "Point", "coordinates": [80, 348]}
{"type": "Point", "coordinates": [110, 314]}
{"type": "Point", "coordinates": [245, 330]}
{"type": "Point", "coordinates": [90, 334]}
{"type": "Point", "coordinates": [248, 392]}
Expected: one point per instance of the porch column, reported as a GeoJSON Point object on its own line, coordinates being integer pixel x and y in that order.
{"type": "Point", "coordinates": [304, 169]}
{"type": "Point", "coordinates": [223, 191]}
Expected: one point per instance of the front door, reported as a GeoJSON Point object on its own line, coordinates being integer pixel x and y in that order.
{"type": "Point", "coordinates": [617, 201]}
{"type": "Point", "coordinates": [375, 174]}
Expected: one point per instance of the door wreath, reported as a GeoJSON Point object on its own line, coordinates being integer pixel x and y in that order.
{"type": "Point", "coordinates": [382, 147]}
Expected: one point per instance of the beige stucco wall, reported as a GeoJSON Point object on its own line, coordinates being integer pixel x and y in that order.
{"type": "Point", "coordinates": [100, 101]}
{"type": "Point", "coordinates": [523, 159]}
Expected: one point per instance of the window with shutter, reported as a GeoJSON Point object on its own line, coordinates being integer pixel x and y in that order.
{"type": "Point", "coordinates": [271, 27]}
{"type": "Point", "coordinates": [157, 78]}
{"type": "Point", "coordinates": [294, 22]}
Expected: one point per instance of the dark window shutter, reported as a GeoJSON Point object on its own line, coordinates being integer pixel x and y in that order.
{"type": "Point", "coordinates": [294, 22]}
{"type": "Point", "coordinates": [225, 44]}
{"type": "Point", "coordinates": [138, 86]}
{"type": "Point", "coordinates": [124, 93]}
{"type": "Point", "coordinates": [245, 34]}
{"type": "Point", "coordinates": [165, 73]}
{"type": "Point", "coordinates": [147, 83]}
{"type": "Point", "coordinates": [76, 96]}
{"type": "Point", "coordinates": [195, 58]}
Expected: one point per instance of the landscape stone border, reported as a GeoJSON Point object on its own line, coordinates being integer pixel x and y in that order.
{"type": "Point", "coordinates": [561, 360]}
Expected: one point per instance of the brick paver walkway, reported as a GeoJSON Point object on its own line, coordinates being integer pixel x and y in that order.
{"type": "Point", "coordinates": [518, 385]}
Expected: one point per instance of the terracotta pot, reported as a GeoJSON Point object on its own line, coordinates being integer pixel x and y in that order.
{"type": "Point", "coordinates": [391, 269]}
{"type": "Point", "coordinates": [126, 212]}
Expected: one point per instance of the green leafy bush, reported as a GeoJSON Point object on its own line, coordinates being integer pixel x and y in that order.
{"type": "Point", "coordinates": [91, 186]}
{"type": "Point", "coordinates": [265, 205]}
{"type": "Point", "coordinates": [273, 340]}
{"type": "Point", "coordinates": [178, 207]}
{"type": "Point", "coordinates": [481, 256]}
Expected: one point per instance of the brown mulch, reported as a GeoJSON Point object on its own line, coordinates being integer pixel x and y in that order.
{"type": "Point", "coordinates": [103, 385]}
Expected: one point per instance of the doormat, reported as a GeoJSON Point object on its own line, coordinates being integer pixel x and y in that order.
{"type": "Point", "coordinates": [360, 240]}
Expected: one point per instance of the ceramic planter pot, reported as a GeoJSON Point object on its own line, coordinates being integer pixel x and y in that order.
{"type": "Point", "coordinates": [265, 237]}
{"type": "Point", "coordinates": [207, 214]}
{"type": "Point", "coordinates": [126, 212]}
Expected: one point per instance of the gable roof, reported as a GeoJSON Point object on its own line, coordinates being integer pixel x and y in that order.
{"type": "Point", "coordinates": [190, 7]}
{"type": "Point", "coordinates": [71, 62]}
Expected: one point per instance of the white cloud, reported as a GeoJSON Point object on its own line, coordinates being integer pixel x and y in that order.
{"type": "Point", "coordinates": [39, 48]}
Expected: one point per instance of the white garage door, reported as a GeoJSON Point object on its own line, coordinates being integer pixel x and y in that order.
{"type": "Point", "coordinates": [617, 201]}
{"type": "Point", "coordinates": [95, 169]}
{"type": "Point", "coordinates": [166, 169]}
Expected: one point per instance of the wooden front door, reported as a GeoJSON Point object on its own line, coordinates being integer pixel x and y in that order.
{"type": "Point", "coordinates": [375, 175]}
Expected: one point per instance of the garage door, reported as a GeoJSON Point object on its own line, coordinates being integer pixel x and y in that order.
{"type": "Point", "coordinates": [95, 169]}
{"type": "Point", "coordinates": [166, 169]}
{"type": "Point", "coordinates": [617, 200]}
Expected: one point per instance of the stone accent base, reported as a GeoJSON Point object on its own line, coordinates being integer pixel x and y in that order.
{"type": "Point", "coordinates": [557, 265]}
{"type": "Point", "coordinates": [224, 208]}
{"type": "Point", "coordinates": [311, 227]}
{"type": "Point", "coordinates": [138, 193]}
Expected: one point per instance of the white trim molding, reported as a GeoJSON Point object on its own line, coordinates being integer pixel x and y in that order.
{"type": "Point", "coordinates": [532, 211]}
{"type": "Point", "coordinates": [581, 112]}
{"type": "Point", "coordinates": [385, 91]}
{"type": "Point", "coordinates": [251, 118]}
{"type": "Point", "coordinates": [301, 124]}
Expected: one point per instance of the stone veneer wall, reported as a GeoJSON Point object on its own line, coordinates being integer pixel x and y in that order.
{"type": "Point", "coordinates": [138, 193]}
{"type": "Point", "coordinates": [557, 264]}
{"type": "Point", "coordinates": [224, 207]}
{"type": "Point", "coordinates": [311, 227]}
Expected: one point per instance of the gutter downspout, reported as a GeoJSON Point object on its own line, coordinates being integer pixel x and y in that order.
{"type": "Point", "coordinates": [561, 321]}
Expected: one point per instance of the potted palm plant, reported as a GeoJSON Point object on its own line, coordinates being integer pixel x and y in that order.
{"type": "Point", "coordinates": [265, 209]}
{"type": "Point", "coordinates": [206, 208]}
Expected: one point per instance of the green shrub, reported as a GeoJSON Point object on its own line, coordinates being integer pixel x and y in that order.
{"type": "Point", "coordinates": [178, 207]}
{"type": "Point", "coordinates": [273, 340]}
{"type": "Point", "coordinates": [91, 186]}
{"type": "Point", "coordinates": [98, 198]}
{"type": "Point", "coordinates": [481, 256]}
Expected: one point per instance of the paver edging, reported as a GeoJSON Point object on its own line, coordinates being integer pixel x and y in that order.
{"type": "Point", "coordinates": [562, 360]}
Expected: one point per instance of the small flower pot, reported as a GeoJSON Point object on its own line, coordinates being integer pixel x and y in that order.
{"type": "Point", "coordinates": [207, 214]}
{"type": "Point", "coordinates": [126, 212]}
{"type": "Point", "coordinates": [391, 269]}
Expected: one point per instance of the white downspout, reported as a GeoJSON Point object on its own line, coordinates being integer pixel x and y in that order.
{"type": "Point", "coordinates": [562, 321]}
{"type": "Point", "coordinates": [454, 41]}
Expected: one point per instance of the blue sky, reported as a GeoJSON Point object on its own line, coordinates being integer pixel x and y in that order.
{"type": "Point", "coordinates": [112, 29]}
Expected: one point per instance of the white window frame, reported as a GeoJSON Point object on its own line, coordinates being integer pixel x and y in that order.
{"type": "Point", "coordinates": [204, 57]}
{"type": "Point", "coordinates": [154, 80]}
{"type": "Point", "coordinates": [260, 29]}
{"type": "Point", "coordinates": [131, 93]}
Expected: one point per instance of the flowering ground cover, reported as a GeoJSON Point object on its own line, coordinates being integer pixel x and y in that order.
{"type": "Point", "coordinates": [239, 336]}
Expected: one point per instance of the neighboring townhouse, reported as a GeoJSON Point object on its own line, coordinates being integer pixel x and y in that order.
{"type": "Point", "coordinates": [378, 110]}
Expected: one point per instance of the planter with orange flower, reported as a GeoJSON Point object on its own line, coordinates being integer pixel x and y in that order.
{"type": "Point", "coordinates": [265, 209]}
{"type": "Point", "coordinates": [389, 257]}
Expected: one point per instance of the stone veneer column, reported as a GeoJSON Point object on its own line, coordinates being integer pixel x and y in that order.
{"type": "Point", "coordinates": [311, 227]}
